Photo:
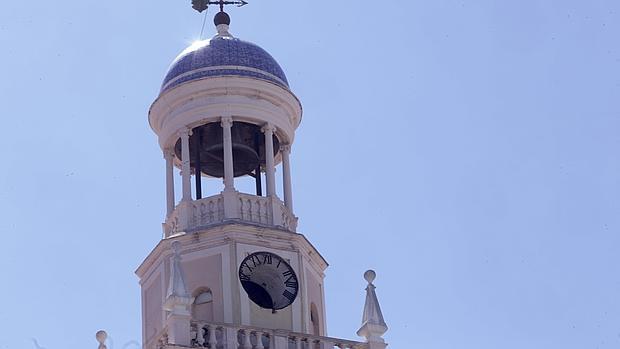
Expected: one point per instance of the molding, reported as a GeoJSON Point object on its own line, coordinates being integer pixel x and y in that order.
{"type": "Point", "coordinates": [206, 100]}
{"type": "Point", "coordinates": [237, 232]}
{"type": "Point", "coordinates": [222, 67]}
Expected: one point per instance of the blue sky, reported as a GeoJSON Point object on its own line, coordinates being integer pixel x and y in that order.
{"type": "Point", "coordinates": [465, 150]}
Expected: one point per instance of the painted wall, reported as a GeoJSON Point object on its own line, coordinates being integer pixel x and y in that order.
{"type": "Point", "coordinates": [153, 314]}
{"type": "Point", "coordinates": [315, 296]}
{"type": "Point", "coordinates": [206, 272]}
{"type": "Point", "coordinates": [282, 319]}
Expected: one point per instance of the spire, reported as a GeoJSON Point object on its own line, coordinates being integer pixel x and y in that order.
{"type": "Point", "coordinates": [176, 286]}
{"type": "Point", "coordinates": [178, 302]}
{"type": "Point", "coordinates": [373, 324]}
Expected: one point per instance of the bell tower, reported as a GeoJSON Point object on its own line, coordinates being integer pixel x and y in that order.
{"type": "Point", "coordinates": [231, 270]}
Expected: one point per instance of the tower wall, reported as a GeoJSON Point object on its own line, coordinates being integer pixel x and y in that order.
{"type": "Point", "coordinates": [210, 260]}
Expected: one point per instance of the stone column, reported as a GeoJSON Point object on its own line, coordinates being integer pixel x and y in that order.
{"type": "Point", "coordinates": [269, 163]}
{"type": "Point", "coordinates": [286, 176]}
{"type": "Point", "coordinates": [185, 169]}
{"type": "Point", "coordinates": [229, 181]}
{"type": "Point", "coordinates": [168, 155]}
{"type": "Point", "coordinates": [229, 194]}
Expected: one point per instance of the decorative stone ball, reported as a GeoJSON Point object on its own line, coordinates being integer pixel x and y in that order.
{"type": "Point", "coordinates": [101, 336]}
{"type": "Point", "coordinates": [221, 18]}
{"type": "Point", "coordinates": [370, 276]}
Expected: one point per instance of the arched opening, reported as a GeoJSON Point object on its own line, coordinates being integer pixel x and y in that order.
{"type": "Point", "coordinates": [202, 309]}
{"type": "Point", "coordinates": [314, 320]}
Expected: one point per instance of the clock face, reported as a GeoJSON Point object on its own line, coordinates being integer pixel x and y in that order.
{"type": "Point", "coordinates": [269, 280]}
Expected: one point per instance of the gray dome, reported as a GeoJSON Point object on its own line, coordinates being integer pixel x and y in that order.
{"type": "Point", "coordinates": [223, 56]}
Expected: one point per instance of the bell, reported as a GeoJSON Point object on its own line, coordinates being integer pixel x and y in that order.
{"type": "Point", "coordinates": [207, 147]}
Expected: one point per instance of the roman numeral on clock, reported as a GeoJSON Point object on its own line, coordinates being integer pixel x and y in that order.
{"type": "Point", "coordinates": [267, 259]}
{"type": "Point", "coordinates": [291, 282]}
{"type": "Point", "coordinates": [255, 260]}
{"type": "Point", "coordinates": [289, 295]}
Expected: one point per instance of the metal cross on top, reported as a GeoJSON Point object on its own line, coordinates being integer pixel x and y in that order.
{"type": "Point", "coordinates": [201, 5]}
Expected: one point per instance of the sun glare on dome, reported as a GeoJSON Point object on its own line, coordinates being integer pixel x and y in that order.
{"type": "Point", "coordinates": [196, 45]}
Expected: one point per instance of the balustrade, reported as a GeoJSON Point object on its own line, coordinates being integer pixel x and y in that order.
{"type": "Point", "coordinates": [222, 336]}
{"type": "Point", "coordinates": [208, 211]}
{"type": "Point", "coordinates": [255, 209]}
{"type": "Point", "coordinates": [250, 208]}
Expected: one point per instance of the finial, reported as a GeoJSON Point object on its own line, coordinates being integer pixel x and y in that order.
{"type": "Point", "coordinates": [373, 324]}
{"type": "Point", "coordinates": [221, 18]}
{"type": "Point", "coordinates": [101, 337]}
{"type": "Point", "coordinates": [222, 22]}
{"type": "Point", "coordinates": [370, 276]}
{"type": "Point", "coordinates": [176, 287]}
{"type": "Point", "coordinates": [178, 301]}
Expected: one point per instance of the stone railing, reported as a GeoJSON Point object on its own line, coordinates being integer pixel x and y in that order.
{"type": "Point", "coordinates": [214, 335]}
{"type": "Point", "coordinates": [255, 209]}
{"type": "Point", "coordinates": [207, 211]}
{"type": "Point", "coordinates": [229, 206]}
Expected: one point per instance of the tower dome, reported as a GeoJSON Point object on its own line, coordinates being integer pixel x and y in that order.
{"type": "Point", "coordinates": [223, 55]}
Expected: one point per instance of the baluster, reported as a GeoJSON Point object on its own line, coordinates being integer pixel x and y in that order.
{"type": "Point", "coordinates": [248, 209]}
{"type": "Point", "coordinates": [316, 344]}
{"type": "Point", "coordinates": [230, 337]}
{"type": "Point", "coordinates": [211, 215]}
{"type": "Point", "coordinates": [193, 333]}
{"type": "Point", "coordinates": [257, 210]}
{"type": "Point", "coordinates": [221, 208]}
{"type": "Point", "coordinates": [200, 334]}
{"type": "Point", "coordinates": [325, 344]}
{"type": "Point", "coordinates": [270, 340]}
{"type": "Point", "coordinates": [241, 213]}
{"type": "Point", "coordinates": [298, 343]}
{"type": "Point", "coordinates": [247, 343]}
{"type": "Point", "coordinates": [195, 213]}
{"type": "Point", "coordinates": [212, 338]}
{"type": "Point", "coordinates": [259, 340]}
{"type": "Point", "coordinates": [266, 210]}
{"type": "Point", "coordinates": [243, 208]}
{"type": "Point", "coordinates": [342, 346]}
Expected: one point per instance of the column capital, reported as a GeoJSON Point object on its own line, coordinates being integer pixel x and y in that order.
{"type": "Point", "coordinates": [168, 153]}
{"type": "Point", "coordinates": [185, 132]}
{"type": "Point", "coordinates": [226, 121]}
{"type": "Point", "coordinates": [286, 148]}
{"type": "Point", "coordinates": [268, 128]}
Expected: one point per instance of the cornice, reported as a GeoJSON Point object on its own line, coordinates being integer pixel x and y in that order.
{"type": "Point", "coordinates": [233, 232]}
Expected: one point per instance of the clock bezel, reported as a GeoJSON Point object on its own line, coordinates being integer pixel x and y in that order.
{"type": "Point", "coordinates": [288, 267]}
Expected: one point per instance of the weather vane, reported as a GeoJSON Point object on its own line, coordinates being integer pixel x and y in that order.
{"type": "Point", "coordinates": [201, 5]}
